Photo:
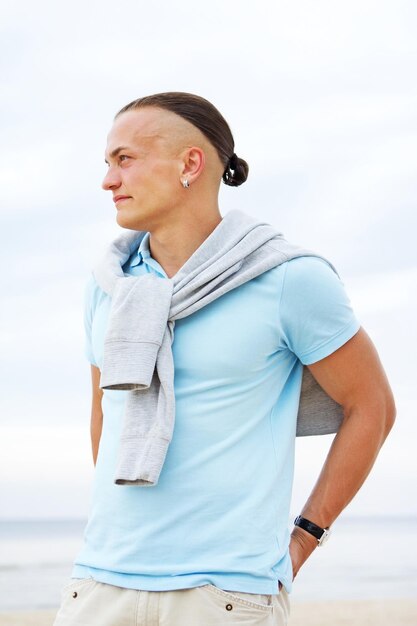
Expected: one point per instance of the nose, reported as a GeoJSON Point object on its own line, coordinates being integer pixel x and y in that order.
{"type": "Point", "coordinates": [111, 180]}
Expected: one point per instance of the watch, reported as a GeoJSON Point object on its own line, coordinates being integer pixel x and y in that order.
{"type": "Point", "coordinates": [321, 534]}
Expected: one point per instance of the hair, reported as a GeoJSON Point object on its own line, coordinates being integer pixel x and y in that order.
{"type": "Point", "coordinates": [204, 116]}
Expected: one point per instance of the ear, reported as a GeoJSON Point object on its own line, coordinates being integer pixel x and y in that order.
{"type": "Point", "coordinates": [193, 163]}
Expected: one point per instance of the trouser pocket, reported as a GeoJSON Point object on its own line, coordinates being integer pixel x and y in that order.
{"type": "Point", "coordinates": [74, 596]}
{"type": "Point", "coordinates": [209, 605]}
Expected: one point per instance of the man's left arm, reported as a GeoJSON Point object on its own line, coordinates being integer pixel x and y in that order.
{"type": "Point", "coordinates": [354, 377]}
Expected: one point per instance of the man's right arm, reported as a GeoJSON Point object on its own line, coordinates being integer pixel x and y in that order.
{"type": "Point", "coordinates": [96, 411]}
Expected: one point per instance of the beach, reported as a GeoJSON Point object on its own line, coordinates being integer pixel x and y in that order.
{"type": "Point", "coordinates": [398, 612]}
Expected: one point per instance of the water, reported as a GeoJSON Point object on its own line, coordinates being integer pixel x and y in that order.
{"type": "Point", "coordinates": [35, 561]}
{"type": "Point", "coordinates": [364, 559]}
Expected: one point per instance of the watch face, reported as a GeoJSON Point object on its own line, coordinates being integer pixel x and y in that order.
{"type": "Point", "coordinates": [325, 536]}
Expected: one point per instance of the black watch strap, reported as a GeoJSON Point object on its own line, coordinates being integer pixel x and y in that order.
{"type": "Point", "coordinates": [310, 527]}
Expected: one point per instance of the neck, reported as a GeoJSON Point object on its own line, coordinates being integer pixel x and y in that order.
{"type": "Point", "coordinates": [172, 245]}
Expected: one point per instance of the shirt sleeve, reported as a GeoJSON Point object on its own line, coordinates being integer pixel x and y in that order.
{"type": "Point", "coordinates": [315, 311]}
{"type": "Point", "coordinates": [89, 308]}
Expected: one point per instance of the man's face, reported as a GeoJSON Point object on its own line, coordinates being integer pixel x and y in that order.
{"type": "Point", "coordinates": [144, 168]}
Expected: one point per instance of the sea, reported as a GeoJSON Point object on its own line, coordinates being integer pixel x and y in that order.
{"type": "Point", "coordinates": [365, 558]}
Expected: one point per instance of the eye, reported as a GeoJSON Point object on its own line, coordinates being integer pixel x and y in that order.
{"type": "Point", "coordinates": [123, 157]}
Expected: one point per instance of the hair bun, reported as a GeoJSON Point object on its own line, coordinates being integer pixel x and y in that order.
{"type": "Point", "coordinates": [236, 171]}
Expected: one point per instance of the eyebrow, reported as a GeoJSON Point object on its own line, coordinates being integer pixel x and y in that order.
{"type": "Point", "coordinates": [115, 152]}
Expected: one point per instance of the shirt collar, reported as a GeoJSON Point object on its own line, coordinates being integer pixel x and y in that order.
{"type": "Point", "coordinates": [142, 253]}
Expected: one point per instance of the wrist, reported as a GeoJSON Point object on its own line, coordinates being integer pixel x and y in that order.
{"type": "Point", "coordinates": [320, 515]}
{"type": "Point", "coordinates": [304, 539]}
{"type": "Point", "coordinates": [319, 533]}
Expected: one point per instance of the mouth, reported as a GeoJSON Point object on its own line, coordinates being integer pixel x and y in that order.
{"type": "Point", "coordinates": [117, 199]}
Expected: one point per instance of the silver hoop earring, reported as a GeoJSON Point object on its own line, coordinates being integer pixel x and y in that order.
{"type": "Point", "coordinates": [185, 184]}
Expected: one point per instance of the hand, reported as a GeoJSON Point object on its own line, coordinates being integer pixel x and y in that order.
{"type": "Point", "coordinates": [302, 544]}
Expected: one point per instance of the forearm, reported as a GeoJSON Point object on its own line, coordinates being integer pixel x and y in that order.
{"type": "Point", "coordinates": [95, 432]}
{"type": "Point", "coordinates": [350, 459]}
{"type": "Point", "coordinates": [96, 423]}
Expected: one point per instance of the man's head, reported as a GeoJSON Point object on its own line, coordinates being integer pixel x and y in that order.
{"type": "Point", "coordinates": [165, 151]}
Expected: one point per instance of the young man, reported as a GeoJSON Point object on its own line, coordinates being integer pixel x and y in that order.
{"type": "Point", "coordinates": [206, 543]}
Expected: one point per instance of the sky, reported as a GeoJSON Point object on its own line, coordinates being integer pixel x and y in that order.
{"type": "Point", "coordinates": [322, 101]}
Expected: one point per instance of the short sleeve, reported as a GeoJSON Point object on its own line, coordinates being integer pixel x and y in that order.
{"type": "Point", "coordinates": [315, 312]}
{"type": "Point", "coordinates": [89, 308]}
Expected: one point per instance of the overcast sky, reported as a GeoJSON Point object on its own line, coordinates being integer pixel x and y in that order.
{"type": "Point", "coordinates": [322, 100]}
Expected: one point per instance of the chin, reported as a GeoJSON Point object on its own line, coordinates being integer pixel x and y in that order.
{"type": "Point", "coordinates": [125, 222]}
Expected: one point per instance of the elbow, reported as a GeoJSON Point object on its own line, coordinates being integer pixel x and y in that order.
{"type": "Point", "coordinates": [387, 412]}
{"type": "Point", "coordinates": [376, 416]}
{"type": "Point", "coordinates": [390, 414]}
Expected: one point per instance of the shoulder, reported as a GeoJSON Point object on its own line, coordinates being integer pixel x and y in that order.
{"type": "Point", "coordinates": [315, 309]}
{"type": "Point", "coordinates": [308, 266]}
{"type": "Point", "coordinates": [310, 275]}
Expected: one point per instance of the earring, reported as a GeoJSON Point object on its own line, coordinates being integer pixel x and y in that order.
{"type": "Point", "coordinates": [185, 184]}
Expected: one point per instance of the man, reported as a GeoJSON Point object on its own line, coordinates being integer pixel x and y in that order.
{"type": "Point", "coordinates": [207, 542]}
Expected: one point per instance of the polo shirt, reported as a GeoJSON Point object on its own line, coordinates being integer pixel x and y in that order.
{"type": "Point", "coordinates": [220, 512]}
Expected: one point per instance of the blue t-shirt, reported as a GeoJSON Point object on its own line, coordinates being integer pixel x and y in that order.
{"type": "Point", "coordinates": [220, 511]}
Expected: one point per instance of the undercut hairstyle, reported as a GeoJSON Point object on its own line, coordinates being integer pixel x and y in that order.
{"type": "Point", "coordinates": [204, 116]}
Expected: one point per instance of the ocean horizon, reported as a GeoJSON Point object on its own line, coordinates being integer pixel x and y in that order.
{"type": "Point", "coordinates": [365, 558]}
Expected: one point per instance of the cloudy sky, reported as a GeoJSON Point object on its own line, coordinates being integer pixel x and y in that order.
{"type": "Point", "coordinates": [322, 99]}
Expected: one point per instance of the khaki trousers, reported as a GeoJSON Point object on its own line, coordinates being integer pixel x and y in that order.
{"type": "Point", "coordinates": [86, 602]}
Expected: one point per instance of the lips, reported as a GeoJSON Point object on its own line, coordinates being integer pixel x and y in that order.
{"type": "Point", "coordinates": [118, 198]}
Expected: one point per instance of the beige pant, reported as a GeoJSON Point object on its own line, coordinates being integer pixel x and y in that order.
{"type": "Point", "coordinates": [86, 602]}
